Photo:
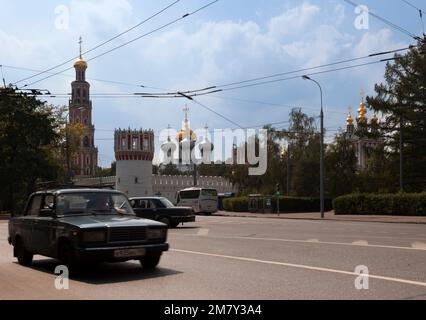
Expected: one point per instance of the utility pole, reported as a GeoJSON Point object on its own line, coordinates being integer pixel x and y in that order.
{"type": "Point", "coordinates": [322, 148]}
{"type": "Point", "coordinates": [67, 154]}
{"type": "Point", "coordinates": [288, 170]}
{"type": "Point", "coordinates": [401, 153]}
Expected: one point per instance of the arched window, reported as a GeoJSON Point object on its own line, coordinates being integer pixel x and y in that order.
{"type": "Point", "coordinates": [86, 142]}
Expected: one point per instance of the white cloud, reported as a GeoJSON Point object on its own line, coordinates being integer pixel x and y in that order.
{"type": "Point", "coordinates": [293, 21]}
{"type": "Point", "coordinates": [102, 16]}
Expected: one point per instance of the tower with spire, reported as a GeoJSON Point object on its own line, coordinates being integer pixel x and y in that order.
{"type": "Point", "coordinates": [80, 113]}
{"type": "Point", "coordinates": [364, 134]}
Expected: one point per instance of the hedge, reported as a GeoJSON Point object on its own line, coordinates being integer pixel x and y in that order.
{"type": "Point", "coordinates": [401, 204]}
{"type": "Point", "coordinates": [287, 204]}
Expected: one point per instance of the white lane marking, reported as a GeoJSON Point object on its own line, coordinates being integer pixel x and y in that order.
{"type": "Point", "coordinates": [418, 245]}
{"type": "Point", "coordinates": [305, 241]}
{"type": "Point", "coordinates": [301, 266]}
{"type": "Point", "coordinates": [203, 232]}
{"type": "Point", "coordinates": [360, 243]}
{"type": "Point", "coordinates": [313, 240]}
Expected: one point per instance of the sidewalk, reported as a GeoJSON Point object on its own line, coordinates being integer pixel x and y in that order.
{"type": "Point", "coordinates": [330, 216]}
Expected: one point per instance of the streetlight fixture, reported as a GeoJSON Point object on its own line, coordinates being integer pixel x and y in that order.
{"type": "Point", "coordinates": [305, 77]}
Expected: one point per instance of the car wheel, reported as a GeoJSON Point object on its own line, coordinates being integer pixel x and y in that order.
{"type": "Point", "coordinates": [67, 257]}
{"type": "Point", "coordinates": [174, 224]}
{"type": "Point", "coordinates": [25, 258]}
{"type": "Point", "coordinates": [150, 262]}
{"type": "Point", "coordinates": [165, 221]}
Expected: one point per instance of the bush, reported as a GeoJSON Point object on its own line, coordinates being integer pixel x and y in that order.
{"type": "Point", "coordinates": [287, 204]}
{"type": "Point", "coordinates": [401, 204]}
{"type": "Point", "coordinates": [239, 204]}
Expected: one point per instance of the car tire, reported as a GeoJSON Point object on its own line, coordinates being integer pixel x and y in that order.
{"type": "Point", "coordinates": [150, 262]}
{"type": "Point", "coordinates": [67, 257]}
{"type": "Point", "coordinates": [165, 220]}
{"type": "Point", "coordinates": [174, 224]}
{"type": "Point", "coordinates": [25, 258]}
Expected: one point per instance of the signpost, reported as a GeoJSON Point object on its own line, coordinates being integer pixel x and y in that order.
{"type": "Point", "coordinates": [278, 194]}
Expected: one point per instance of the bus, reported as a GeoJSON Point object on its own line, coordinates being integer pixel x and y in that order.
{"type": "Point", "coordinates": [202, 200]}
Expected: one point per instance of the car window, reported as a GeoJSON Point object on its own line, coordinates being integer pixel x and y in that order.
{"type": "Point", "coordinates": [153, 204]}
{"type": "Point", "coordinates": [88, 202]}
{"type": "Point", "coordinates": [35, 205]}
{"type": "Point", "coordinates": [48, 202]}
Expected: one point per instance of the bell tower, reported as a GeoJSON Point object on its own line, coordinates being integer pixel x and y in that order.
{"type": "Point", "coordinates": [80, 112]}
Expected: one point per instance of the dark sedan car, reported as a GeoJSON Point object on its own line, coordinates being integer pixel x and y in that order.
{"type": "Point", "coordinates": [85, 225]}
{"type": "Point", "coordinates": [161, 209]}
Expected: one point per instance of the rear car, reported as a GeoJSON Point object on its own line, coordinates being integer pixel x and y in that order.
{"type": "Point", "coordinates": [161, 209]}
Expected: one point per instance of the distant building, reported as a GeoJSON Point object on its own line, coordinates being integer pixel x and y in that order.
{"type": "Point", "coordinates": [134, 152]}
{"type": "Point", "coordinates": [85, 158]}
{"type": "Point", "coordinates": [363, 135]}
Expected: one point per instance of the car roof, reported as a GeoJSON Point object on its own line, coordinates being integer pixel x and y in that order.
{"type": "Point", "coordinates": [146, 198]}
{"type": "Point", "coordinates": [77, 190]}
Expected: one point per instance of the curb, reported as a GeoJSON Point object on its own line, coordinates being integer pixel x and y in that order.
{"type": "Point", "coordinates": [316, 219]}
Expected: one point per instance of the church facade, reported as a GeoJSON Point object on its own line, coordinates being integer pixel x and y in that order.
{"type": "Point", "coordinates": [363, 135]}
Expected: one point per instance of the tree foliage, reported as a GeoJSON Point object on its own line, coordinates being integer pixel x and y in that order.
{"type": "Point", "coordinates": [29, 140]}
{"type": "Point", "coordinates": [402, 101]}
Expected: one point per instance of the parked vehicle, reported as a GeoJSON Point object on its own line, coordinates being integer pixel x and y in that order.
{"type": "Point", "coordinates": [161, 209]}
{"type": "Point", "coordinates": [83, 226]}
{"type": "Point", "coordinates": [202, 200]}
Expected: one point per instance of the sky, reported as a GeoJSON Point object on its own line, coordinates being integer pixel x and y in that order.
{"type": "Point", "coordinates": [229, 41]}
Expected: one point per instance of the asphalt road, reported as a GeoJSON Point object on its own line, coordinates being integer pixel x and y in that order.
{"type": "Point", "coordinates": [244, 258]}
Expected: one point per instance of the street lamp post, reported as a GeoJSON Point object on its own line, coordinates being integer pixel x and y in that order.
{"type": "Point", "coordinates": [322, 148]}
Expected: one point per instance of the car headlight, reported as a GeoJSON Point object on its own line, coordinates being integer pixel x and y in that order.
{"type": "Point", "coordinates": [94, 236]}
{"type": "Point", "coordinates": [156, 233]}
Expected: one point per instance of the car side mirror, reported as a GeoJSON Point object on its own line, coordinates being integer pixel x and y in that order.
{"type": "Point", "coordinates": [46, 213]}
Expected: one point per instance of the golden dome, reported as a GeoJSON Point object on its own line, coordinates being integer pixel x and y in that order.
{"type": "Point", "coordinates": [375, 120]}
{"type": "Point", "coordinates": [362, 112]}
{"type": "Point", "coordinates": [182, 134]}
{"type": "Point", "coordinates": [350, 120]}
{"type": "Point", "coordinates": [80, 63]}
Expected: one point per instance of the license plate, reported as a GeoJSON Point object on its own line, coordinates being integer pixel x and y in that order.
{"type": "Point", "coordinates": [125, 253]}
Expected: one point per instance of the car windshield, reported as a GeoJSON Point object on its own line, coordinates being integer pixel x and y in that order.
{"type": "Point", "coordinates": [167, 203]}
{"type": "Point", "coordinates": [92, 203]}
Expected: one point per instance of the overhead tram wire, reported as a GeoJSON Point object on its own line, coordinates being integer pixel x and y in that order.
{"type": "Point", "coordinates": [188, 96]}
{"type": "Point", "coordinates": [389, 23]}
{"type": "Point", "coordinates": [157, 95]}
{"type": "Point", "coordinates": [298, 76]}
{"type": "Point", "coordinates": [421, 12]}
{"type": "Point", "coordinates": [131, 41]}
{"type": "Point", "coordinates": [101, 44]}
{"type": "Point", "coordinates": [90, 79]}
{"type": "Point", "coordinates": [217, 88]}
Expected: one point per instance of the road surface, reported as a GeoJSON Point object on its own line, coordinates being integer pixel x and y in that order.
{"type": "Point", "coordinates": [246, 258]}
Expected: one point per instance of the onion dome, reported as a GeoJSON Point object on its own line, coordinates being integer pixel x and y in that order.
{"type": "Point", "coordinates": [375, 119]}
{"type": "Point", "coordinates": [206, 145]}
{"type": "Point", "coordinates": [80, 63]}
{"type": "Point", "coordinates": [185, 133]}
{"type": "Point", "coordinates": [362, 112]}
{"type": "Point", "coordinates": [168, 147]}
{"type": "Point", "coordinates": [349, 120]}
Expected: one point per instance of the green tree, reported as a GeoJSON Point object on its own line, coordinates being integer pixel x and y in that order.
{"type": "Point", "coordinates": [304, 149]}
{"type": "Point", "coordinates": [402, 100]}
{"type": "Point", "coordinates": [341, 166]}
{"type": "Point", "coordinates": [29, 140]}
